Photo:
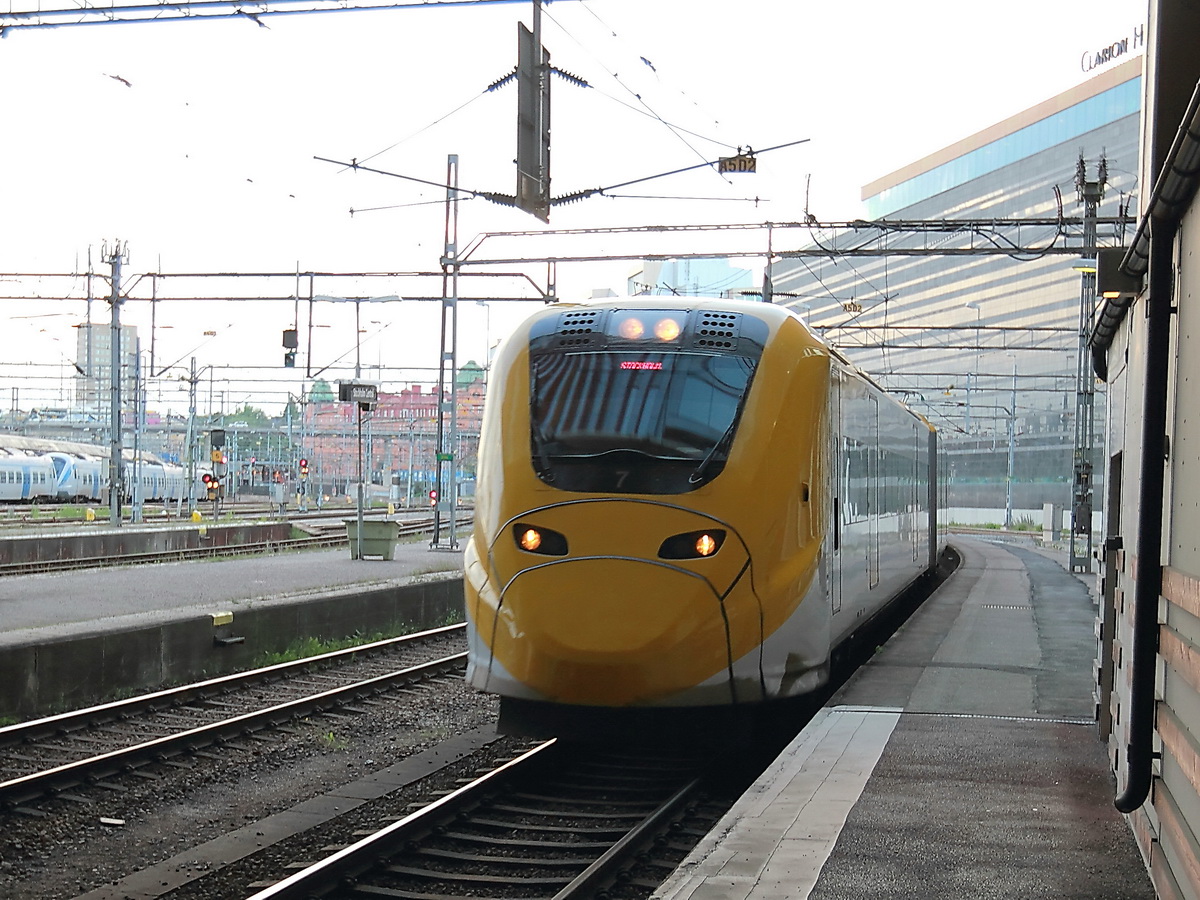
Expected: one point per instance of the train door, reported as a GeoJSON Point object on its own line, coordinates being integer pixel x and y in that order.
{"type": "Point", "coordinates": [838, 483]}
{"type": "Point", "coordinates": [873, 506]}
{"type": "Point", "coordinates": [914, 495]}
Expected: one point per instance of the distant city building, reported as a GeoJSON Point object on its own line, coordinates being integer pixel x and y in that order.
{"type": "Point", "coordinates": [690, 278]}
{"type": "Point", "coordinates": [399, 437]}
{"type": "Point", "coordinates": [93, 367]}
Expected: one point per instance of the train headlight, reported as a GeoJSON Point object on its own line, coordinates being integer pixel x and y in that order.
{"type": "Point", "coordinates": [533, 539]}
{"type": "Point", "coordinates": [530, 539]}
{"type": "Point", "coordinates": [667, 329]}
{"type": "Point", "coordinates": [692, 545]}
{"type": "Point", "coordinates": [631, 329]}
{"type": "Point", "coordinates": [647, 324]}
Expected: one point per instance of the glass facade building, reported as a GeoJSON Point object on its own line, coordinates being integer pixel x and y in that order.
{"type": "Point", "coordinates": [985, 346]}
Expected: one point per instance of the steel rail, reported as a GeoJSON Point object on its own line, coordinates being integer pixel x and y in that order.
{"type": "Point", "coordinates": [606, 867]}
{"type": "Point", "coordinates": [351, 861]}
{"type": "Point", "coordinates": [26, 786]}
{"type": "Point", "coordinates": [75, 719]}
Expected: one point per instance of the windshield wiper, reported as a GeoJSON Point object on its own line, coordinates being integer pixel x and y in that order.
{"type": "Point", "coordinates": [698, 472]}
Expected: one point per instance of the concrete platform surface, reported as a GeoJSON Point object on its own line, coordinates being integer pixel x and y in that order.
{"type": "Point", "coordinates": [963, 761]}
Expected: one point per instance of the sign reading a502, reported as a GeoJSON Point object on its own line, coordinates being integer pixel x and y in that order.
{"type": "Point", "coordinates": [743, 162]}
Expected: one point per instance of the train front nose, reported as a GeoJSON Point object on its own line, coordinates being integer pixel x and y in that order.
{"type": "Point", "coordinates": [638, 602]}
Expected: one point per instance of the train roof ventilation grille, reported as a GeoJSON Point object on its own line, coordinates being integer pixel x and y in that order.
{"type": "Point", "coordinates": [717, 330]}
{"type": "Point", "coordinates": [578, 328]}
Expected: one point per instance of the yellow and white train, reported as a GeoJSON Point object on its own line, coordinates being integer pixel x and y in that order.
{"type": "Point", "coordinates": [685, 503]}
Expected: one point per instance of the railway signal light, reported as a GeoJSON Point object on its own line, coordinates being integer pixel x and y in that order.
{"type": "Point", "coordinates": [213, 484]}
{"type": "Point", "coordinates": [290, 343]}
{"type": "Point", "coordinates": [433, 497]}
{"type": "Point", "coordinates": [304, 468]}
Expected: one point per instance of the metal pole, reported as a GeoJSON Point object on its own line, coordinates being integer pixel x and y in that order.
{"type": "Point", "coordinates": [1012, 439]}
{"type": "Point", "coordinates": [412, 440]}
{"type": "Point", "coordinates": [1090, 193]}
{"type": "Point", "coordinates": [447, 400]}
{"type": "Point", "coordinates": [135, 511]}
{"type": "Point", "coordinates": [114, 445]}
{"type": "Point", "coordinates": [359, 534]}
{"type": "Point", "coordinates": [191, 440]}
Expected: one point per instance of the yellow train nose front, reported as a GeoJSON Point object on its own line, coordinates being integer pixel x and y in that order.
{"type": "Point", "coordinates": [612, 622]}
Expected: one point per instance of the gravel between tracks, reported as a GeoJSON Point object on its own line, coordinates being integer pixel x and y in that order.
{"type": "Point", "coordinates": [70, 851]}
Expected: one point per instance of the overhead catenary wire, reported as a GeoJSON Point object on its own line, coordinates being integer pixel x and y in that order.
{"type": "Point", "coordinates": [615, 77]}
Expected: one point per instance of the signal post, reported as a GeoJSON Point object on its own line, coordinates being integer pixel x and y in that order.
{"type": "Point", "coordinates": [214, 481]}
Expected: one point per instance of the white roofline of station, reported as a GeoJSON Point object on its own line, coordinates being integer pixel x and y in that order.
{"type": "Point", "coordinates": [1120, 74]}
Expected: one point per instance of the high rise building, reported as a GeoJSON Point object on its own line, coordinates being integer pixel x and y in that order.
{"type": "Point", "coordinates": [93, 361]}
{"type": "Point", "coordinates": [986, 346]}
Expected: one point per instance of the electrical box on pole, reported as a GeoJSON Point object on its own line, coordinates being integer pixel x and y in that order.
{"type": "Point", "coordinates": [533, 120]}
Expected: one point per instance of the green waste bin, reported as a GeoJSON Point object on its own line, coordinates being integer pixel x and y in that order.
{"type": "Point", "coordinates": [379, 537]}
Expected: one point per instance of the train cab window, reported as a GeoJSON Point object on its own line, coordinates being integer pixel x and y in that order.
{"type": "Point", "coordinates": [641, 422]}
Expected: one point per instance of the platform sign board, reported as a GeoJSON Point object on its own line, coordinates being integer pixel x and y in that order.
{"type": "Point", "coordinates": [357, 392]}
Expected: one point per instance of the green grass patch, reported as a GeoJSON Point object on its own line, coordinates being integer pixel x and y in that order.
{"type": "Point", "coordinates": [314, 646]}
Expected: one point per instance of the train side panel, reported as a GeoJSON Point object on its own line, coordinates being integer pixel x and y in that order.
{"type": "Point", "coordinates": [881, 538]}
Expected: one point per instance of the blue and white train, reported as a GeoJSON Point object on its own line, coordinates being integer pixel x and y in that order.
{"type": "Point", "coordinates": [69, 475]}
{"type": "Point", "coordinates": [79, 477]}
{"type": "Point", "coordinates": [26, 477]}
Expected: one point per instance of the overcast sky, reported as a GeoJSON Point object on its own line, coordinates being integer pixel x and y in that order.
{"type": "Point", "coordinates": [194, 141]}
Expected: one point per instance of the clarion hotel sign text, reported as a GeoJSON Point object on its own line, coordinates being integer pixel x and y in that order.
{"type": "Point", "coordinates": [1094, 59]}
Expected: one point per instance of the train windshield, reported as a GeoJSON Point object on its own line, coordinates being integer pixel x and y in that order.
{"type": "Point", "coordinates": [635, 422]}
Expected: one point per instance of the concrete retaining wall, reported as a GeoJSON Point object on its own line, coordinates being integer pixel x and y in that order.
{"type": "Point", "coordinates": [102, 543]}
{"type": "Point", "coordinates": [84, 670]}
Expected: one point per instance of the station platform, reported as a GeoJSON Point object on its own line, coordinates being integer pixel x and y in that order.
{"type": "Point", "coordinates": [961, 762]}
{"type": "Point", "coordinates": [76, 637]}
{"type": "Point", "coordinates": [52, 606]}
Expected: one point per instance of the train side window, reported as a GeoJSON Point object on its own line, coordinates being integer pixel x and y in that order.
{"type": "Point", "coordinates": [856, 506]}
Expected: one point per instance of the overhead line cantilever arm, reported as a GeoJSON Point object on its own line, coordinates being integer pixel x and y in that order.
{"type": "Point", "coordinates": [589, 192]}
{"type": "Point", "coordinates": [503, 199]}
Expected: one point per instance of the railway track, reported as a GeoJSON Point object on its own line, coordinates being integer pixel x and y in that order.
{"type": "Point", "coordinates": [558, 821]}
{"type": "Point", "coordinates": [20, 517]}
{"type": "Point", "coordinates": [323, 532]}
{"type": "Point", "coordinates": [56, 755]}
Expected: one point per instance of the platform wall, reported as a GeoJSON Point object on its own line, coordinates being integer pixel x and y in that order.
{"type": "Point", "coordinates": [84, 670]}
